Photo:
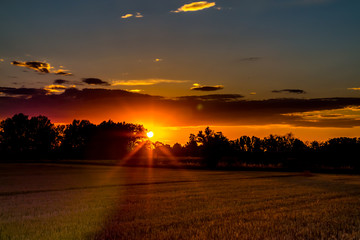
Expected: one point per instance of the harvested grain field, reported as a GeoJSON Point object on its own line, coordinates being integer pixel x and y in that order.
{"type": "Point", "coordinates": [65, 201]}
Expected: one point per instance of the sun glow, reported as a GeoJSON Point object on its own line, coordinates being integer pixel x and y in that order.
{"type": "Point", "coordinates": [150, 134]}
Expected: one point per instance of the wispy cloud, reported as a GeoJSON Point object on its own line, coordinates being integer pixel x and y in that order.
{"type": "Point", "coordinates": [249, 59]}
{"type": "Point", "coordinates": [22, 91]}
{"type": "Point", "coordinates": [94, 81]}
{"type": "Point", "coordinates": [296, 91]}
{"type": "Point", "coordinates": [138, 15]}
{"type": "Point", "coordinates": [62, 72]}
{"type": "Point", "coordinates": [355, 89]}
{"type": "Point", "coordinates": [129, 15]}
{"type": "Point", "coordinates": [60, 81]}
{"type": "Point", "coordinates": [55, 88]}
{"type": "Point", "coordinates": [195, 6]}
{"type": "Point", "coordinates": [41, 67]}
{"type": "Point", "coordinates": [145, 82]}
{"type": "Point", "coordinates": [198, 87]}
{"type": "Point", "coordinates": [309, 2]}
{"type": "Point", "coordinates": [194, 110]}
{"type": "Point", "coordinates": [213, 97]}
{"type": "Point", "coordinates": [134, 90]}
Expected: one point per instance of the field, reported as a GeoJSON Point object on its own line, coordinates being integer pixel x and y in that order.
{"type": "Point", "coordinates": [55, 201]}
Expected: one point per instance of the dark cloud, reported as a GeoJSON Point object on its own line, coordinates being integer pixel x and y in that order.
{"type": "Point", "coordinates": [41, 67]}
{"type": "Point", "coordinates": [61, 81]}
{"type": "Point", "coordinates": [331, 115]}
{"type": "Point", "coordinates": [214, 97]}
{"type": "Point", "coordinates": [197, 87]}
{"type": "Point", "coordinates": [296, 91]}
{"type": "Point", "coordinates": [95, 81]}
{"type": "Point", "coordinates": [249, 59]}
{"type": "Point", "coordinates": [22, 91]}
{"type": "Point", "coordinates": [229, 109]}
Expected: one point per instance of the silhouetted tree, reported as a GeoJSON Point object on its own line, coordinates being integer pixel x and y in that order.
{"type": "Point", "coordinates": [214, 146]}
{"type": "Point", "coordinates": [108, 140]}
{"type": "Point", "coordinates": [191, 147]}
{"type": "Point", "coordinates": [77, 136]}
{"type": "Point", "coordinates": [113, 140]}
{"type": "Point", "coordinates": [247, 144]}
{"type": "Point", "coordinates": [24, 137]}
{"type": "Point", "coordinates": [43, 135]}
{"type": "Point", "coordinates": [177, 150]}
{"type": "Point", "coordinates": [342, 152]}
{"type": "Point", "coordinates": [15, 134]}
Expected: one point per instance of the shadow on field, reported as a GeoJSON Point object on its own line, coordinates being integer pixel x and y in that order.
{"type": "Point", "coordinates": [128, 219]}
{"type": "Point", "coordinates": [139, 202]}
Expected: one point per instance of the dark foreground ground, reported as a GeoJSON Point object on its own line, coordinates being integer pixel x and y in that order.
{"type": "Point", "coordinates": [67, 201]}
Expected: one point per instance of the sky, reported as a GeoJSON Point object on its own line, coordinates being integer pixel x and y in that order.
{"type": "Point", "coordinates": [243, 67]}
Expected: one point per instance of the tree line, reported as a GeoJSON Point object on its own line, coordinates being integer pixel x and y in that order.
{"type": "Point", "coordinates": [273, 151]}
{"type": "Point", "coordinates": [22, 137]}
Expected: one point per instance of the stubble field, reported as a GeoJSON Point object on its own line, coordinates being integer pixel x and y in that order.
{"type": "Point", "coordinates": [64, 201]}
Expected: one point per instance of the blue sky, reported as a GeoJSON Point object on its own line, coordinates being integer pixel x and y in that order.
{"type": "Point", "coordinates": [247, 46]}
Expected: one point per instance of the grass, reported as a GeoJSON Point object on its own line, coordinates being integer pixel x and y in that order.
{"type": "Point", "coordinates": [54, 201]}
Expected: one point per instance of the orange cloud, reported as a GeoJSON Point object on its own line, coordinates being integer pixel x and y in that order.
{"type": "Point", "coordinates": [134, 90]}
{"type": "Point", "coordinates": [138, 15]}
{"type": "Point", "coordinates": [355, 89]}
{"type": "Point", "coordinates": [41, 67]}
{"type": "Point", "coordinates": [195, 6]}
{"type": "Point", "coordinates": [198, 87]}
{"type": "Point", "coordinates": [127, 15]}
{"type": "Point", "coordinates": [55, 88]}
{"type": "Point", "coordinates": [145, 82]}
{"type": "Point", "coordinates": [100, 104]}
{"type": "Point", "coordinates": [62, 72]}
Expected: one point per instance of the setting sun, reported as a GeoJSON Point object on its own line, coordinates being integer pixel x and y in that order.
{"type": "Point", "coordinates": [150, 134]}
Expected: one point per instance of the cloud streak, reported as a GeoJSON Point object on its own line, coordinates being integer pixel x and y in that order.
{"type": "Point", "coordinates": [145, 82]}
{"type": "Point", "coordinates": [296, 91]}
{"type": "Point", "coordinates": [61, 81]}
{"type": "Point", "coordinates": [95, 81]}
{"type": "Point", "coordinates": [198, 87]}
{"type": "Point", "coordinates": [41, 67]}
{"type": "Point", "coordinates": [22, 91]}
{"type": "Point", "coordinates": [55, 88]}
{"type": "Point", "coordinates": [249, 59]}
{"type": "Point", "coordinates": [216, 109]}
{"type": "Point", "coordinates": [195, 6]}
{"type": "Point", "coordinates": [213, 97]}
{"type": "Point", "coordinates": [129, 15]}
{"type": "Point", "coordinates": [62, 72]}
